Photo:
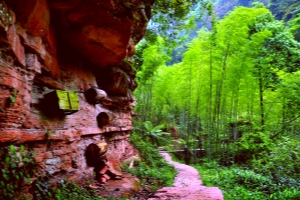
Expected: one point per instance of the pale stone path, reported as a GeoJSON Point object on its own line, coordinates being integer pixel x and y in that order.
{"type": "Point", "coordinates": [187, 185]}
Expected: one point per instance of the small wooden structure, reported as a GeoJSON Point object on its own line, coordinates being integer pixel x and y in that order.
{"type": "Point", "coordinates": [95, 156]}
{"type": "Point", "coordinates": [104, 118]}
{"type": "Point", "coordinates": [94, 151]}
{"type": "Point", "coordinates": [94, 95]}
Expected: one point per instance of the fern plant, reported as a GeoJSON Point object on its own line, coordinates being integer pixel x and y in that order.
{"type": "Point", "coordinates": [155, 134]}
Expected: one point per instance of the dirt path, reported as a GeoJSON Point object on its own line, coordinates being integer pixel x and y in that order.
{"type": "Point", "coordinates": [187, 185]}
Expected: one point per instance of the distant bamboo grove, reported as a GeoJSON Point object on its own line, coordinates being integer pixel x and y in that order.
{"type": "Point", "coordinates": [242, 77]}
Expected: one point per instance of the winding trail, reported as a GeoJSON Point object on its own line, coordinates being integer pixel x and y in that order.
{"type": "Point", "coordinates": [187, 185]}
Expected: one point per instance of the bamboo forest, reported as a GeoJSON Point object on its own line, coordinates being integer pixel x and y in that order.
{"type": "Point", "coordinates": [150, 99]}
{"type": "Point", "coordinates": [226, 87]}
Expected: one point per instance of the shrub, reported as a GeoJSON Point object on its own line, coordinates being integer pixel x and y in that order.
{"type": "Point", "coordinates": [17, 167]}
{"type": "Point", "coordinates": [153, 170]}
{"type": "Point", "coordinates": [252, 144]}
{"type": "Point", "coordinates": [72, 191]}
{"type": "Point", "coordinates": [236, 183]}
{"type": "Point", "coordinates": [281, 164]}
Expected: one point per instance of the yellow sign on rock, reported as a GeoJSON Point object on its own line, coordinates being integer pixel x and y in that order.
{"type": "Point", "coordinates": [74, 102]}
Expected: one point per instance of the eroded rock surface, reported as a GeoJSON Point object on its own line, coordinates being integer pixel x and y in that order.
{"type": "Point", "coordinates": [66, 45]}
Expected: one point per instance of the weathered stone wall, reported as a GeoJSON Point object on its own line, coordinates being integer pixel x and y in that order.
{"type": "Point", "coordinates": [72, 46]}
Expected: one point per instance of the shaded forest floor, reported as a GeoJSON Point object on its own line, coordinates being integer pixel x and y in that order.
{"type": "Point", "coordinates": [187, 185]}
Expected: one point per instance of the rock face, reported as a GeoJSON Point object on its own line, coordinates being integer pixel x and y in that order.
{"type": "Point", "coordinates": [49, 45]}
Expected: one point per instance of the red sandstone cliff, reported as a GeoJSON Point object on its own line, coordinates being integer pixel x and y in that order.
{"type": "Point", "coordinates": [68, 45]}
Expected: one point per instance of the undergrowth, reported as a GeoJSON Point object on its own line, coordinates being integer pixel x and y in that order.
{"type": "Point", "coordinates": [17, 168]}
{"type": "Point", "coordinates": [66, 190]}
{"type": "Point", "coordinates": [74, 192]}
{"type": "Point", "coordinates": [153, 171]}
{"type": "Point", "coordinates": [269, 169]}
{"type": "Point", "coordinates": [238, 183]}
{"type": "Point", "coordinates": [17, 171]}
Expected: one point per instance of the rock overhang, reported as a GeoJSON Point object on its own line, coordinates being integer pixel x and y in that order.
{"type": "Point", "coordinates": [100, 31]}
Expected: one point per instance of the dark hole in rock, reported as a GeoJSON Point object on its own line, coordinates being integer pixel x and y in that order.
{"type": "Point", "coordinates": [50, 108]}
{"type": "Point", "coordinates": [103, 119]}
{"type": "Point", "coordinates": [90, 95]}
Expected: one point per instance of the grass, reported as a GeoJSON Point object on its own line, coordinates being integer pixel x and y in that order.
{"type": "Point", "coordinates": [153, 171]}
{"type": "Point", "coordinates": [238, 183]}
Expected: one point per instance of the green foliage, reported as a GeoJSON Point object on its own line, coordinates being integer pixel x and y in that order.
{"type": "Point", "coordinates": [153, 170]}
{"type": "Point", "coordinates": [235, 94]}
{"type": "Point", "coordinates": [63, 190]}
{"type": "Point", "coordinates": [281, 163]}
{"type": "Point", "coordinates": [41, 189]}
{"type": "Point", "coordinates": [72, 191]}
{"type": "Point", "coordinates": [288, 193]}
{"type": "Point", "coordinates": [271, 174]}
{"type": "Point", "coordinates": [17, 170]}
{"type": "Point", "coordinates": [209, 171]}
{"type": "Point", "coordinates": [153, 57]}
{"type": "Point", "coordinates": [294, 26]}
{"type": "Point", "coordinates": [5, 17]}
{"type": "Point", "coordinates": [138, 56]}
{"type": "Point", "coordinates": [237, 183]}
{"type": "Point", "coordinates": [175, 21]}
{"type": "Point", "coordinates": [170, 19]}
{"type": "Point", "coordinates": [247, 70]}
{"type": "Point", "coordinates": [290, 88]}
{"type": "Point", "coordinates": [17, 167]}
{"type": "Point", "coordinates": [13, 97]}
{"type": "Point", "coordinates": [251, 145]}
{"type": "Point", "coordinates": [155, 133]}
{"type": "Point", "coordinates": [285, 9]}
{"type": "Point", "coordinates": [231, 74]}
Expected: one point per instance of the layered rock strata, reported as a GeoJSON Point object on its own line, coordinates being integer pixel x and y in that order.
{"type": "Point", "coordinates": [49, 45]}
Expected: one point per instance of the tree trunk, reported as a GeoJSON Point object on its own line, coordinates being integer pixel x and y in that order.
{"type": "Point", "coordinates": [261, 100]}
